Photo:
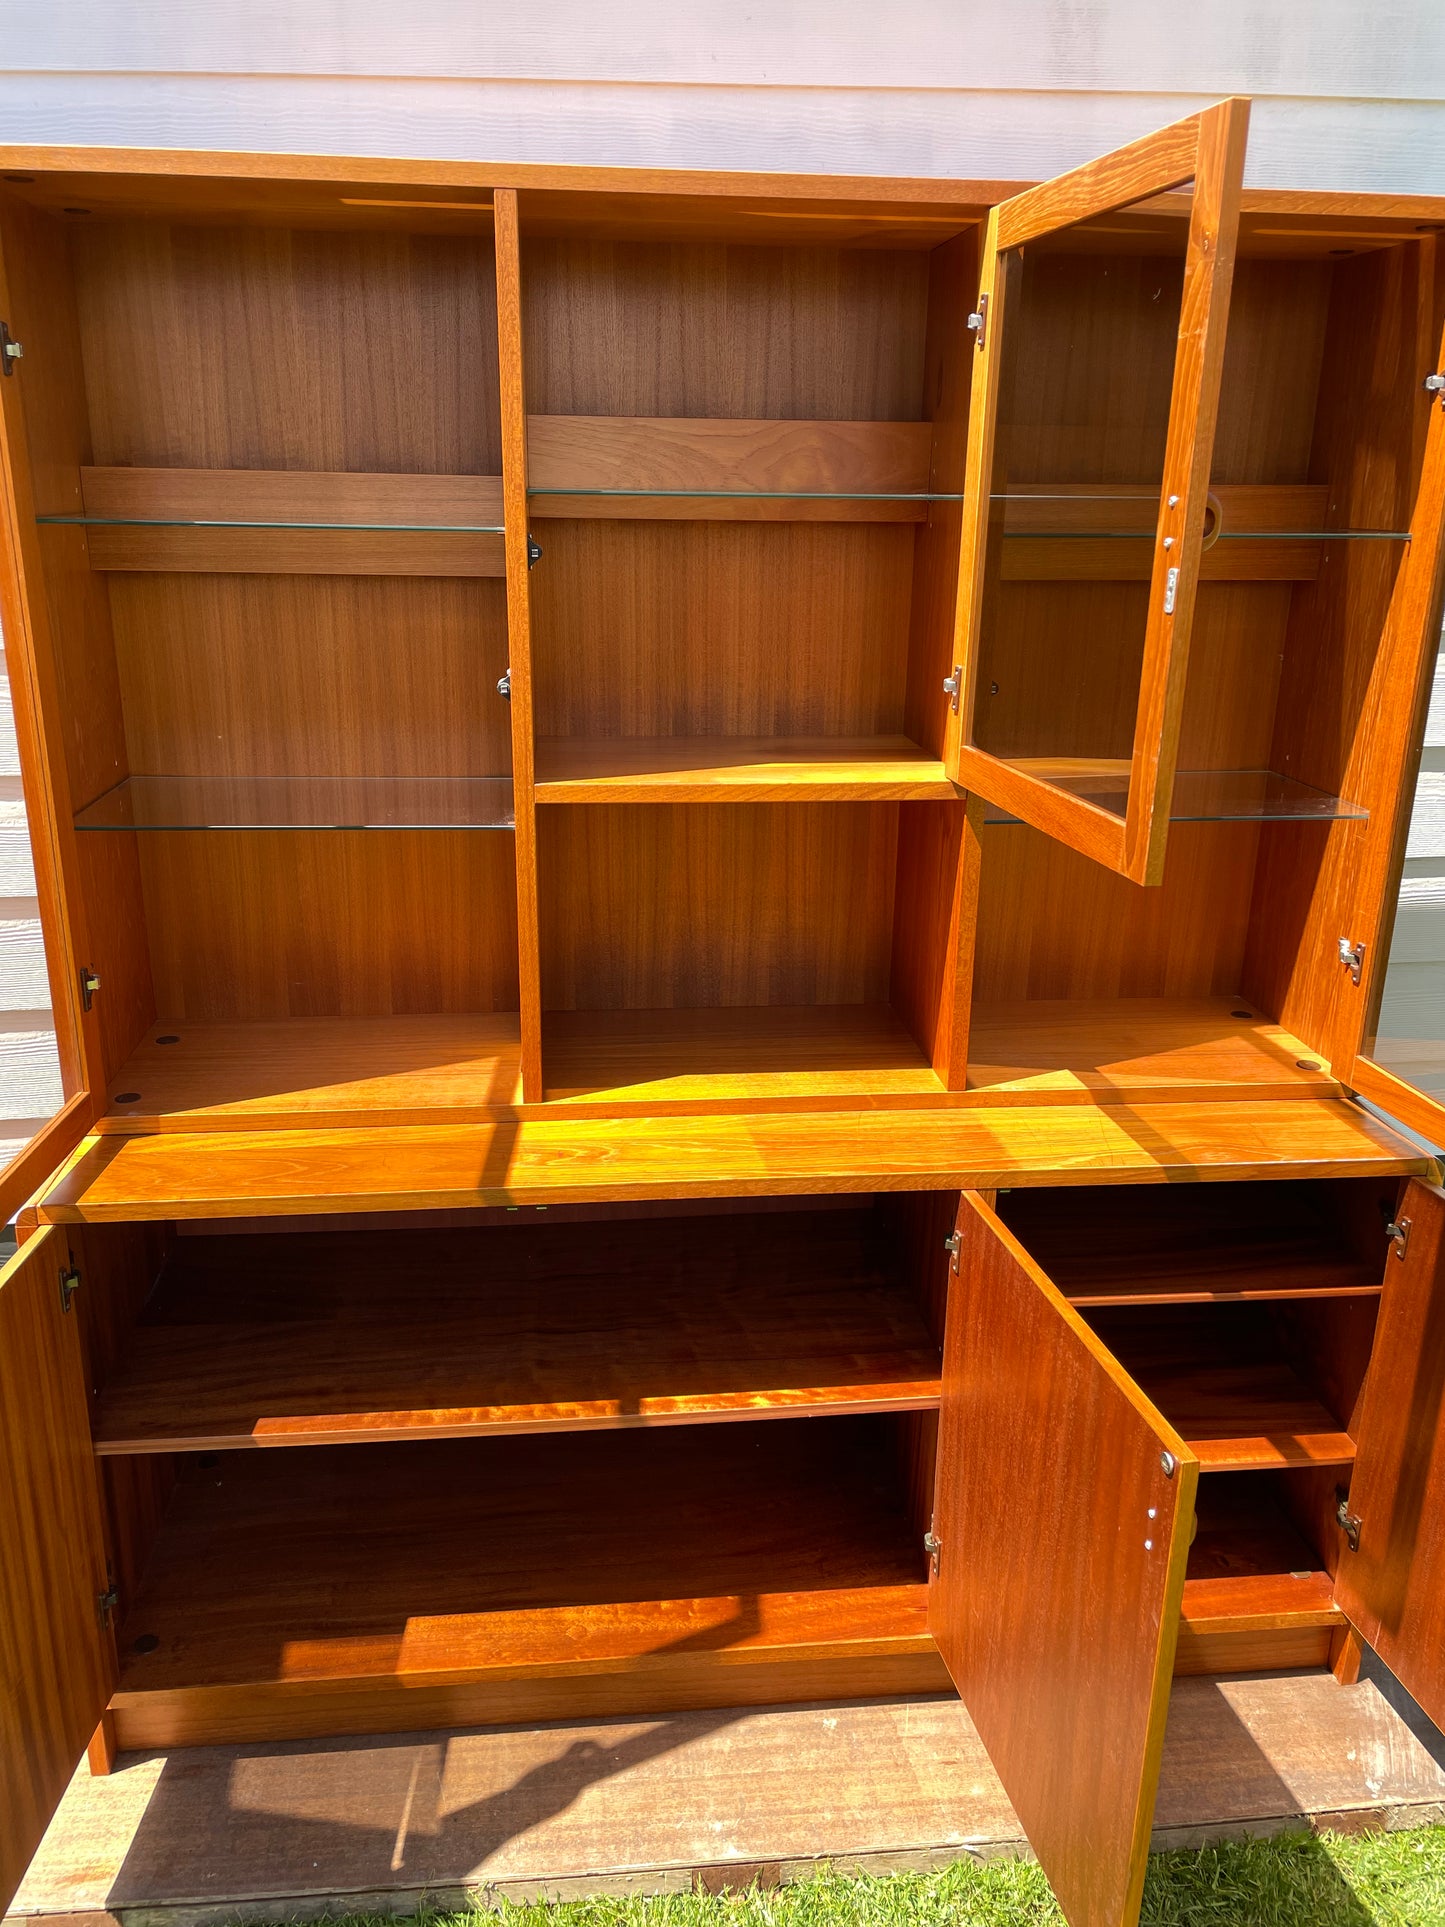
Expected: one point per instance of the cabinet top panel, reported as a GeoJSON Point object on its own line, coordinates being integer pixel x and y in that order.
{"type": "Point", "coordinates": [289, 1173]}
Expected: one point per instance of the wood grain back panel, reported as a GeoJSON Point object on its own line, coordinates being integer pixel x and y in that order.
{"type": "Point", "coordinates": [267, 924]}
{"type": "Point", "coordinates": [267, 675]}
{"type": "Point", "coordinates": [1393, 1588]}
{"type": "Point", "coordinates": [57, 1664]}
{"type": "Point", "coordinates": [645, 906]}
{"type": "Point", "coordinates": [214, 347]}
{"type": "Point", "coordinates": [747, 333]}
{"type": "Point", "coordinates": [1061, 1569]}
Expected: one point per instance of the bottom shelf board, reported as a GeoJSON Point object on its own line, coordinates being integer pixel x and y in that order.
{"type": "Point", "coordinates": [1256, 1595]}
{"type": "Point", "coordinates": [1221, 1377]}
{"type": "Point", "coordinates": [346, 1584]}
{"type": "Point", "coordinates": [365, 1336]}
{"type": "Point", "coordinates": [306, 1072]}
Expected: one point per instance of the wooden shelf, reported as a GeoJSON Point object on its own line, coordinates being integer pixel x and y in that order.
{"type": "Point", "coordinates": [1218, 1376]}
{"type": "Point", "coordinates": [276, 1340]}
{"type": "Point", "coordinates": [1255, 1592]}
{"type": "Point", "coordinates": [1180, 1247]}
{"type": "Point", "coordinates": [732, 1059]}
{"type": "Point", "coordinates": [741, 769]}
{"type": "Point", "coordinates": [341, 1590]}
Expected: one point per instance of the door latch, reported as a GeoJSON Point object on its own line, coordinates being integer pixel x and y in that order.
{"type": "Point", "coordinates": [933, 1546]}
{"type": "Point", "coordinates": [978, 321]}
{"type": "Point", "coordinates": [10, 350]}
{"type": "Point", "coordinates": [1348, 1522]}
{"type": "Point", "coordinates": [1352, 956]}
{"type": "Point", "coordinates": [1398, 1232]}
{"type": "Point", "coordinates": [106, 1603]}
{"type": "Point", "coordinates": [952, 1244]}
{"type": "Point", "coordinates": [504, 685]}
{"type": "Point", "coordinates": [1434, 385]}
{"type": "Point", "coordinates": [89, 984]}
{"type": "Point", "coordinates": [953, 685]}
{"type": "Point", "coordinates": [69, 1285]}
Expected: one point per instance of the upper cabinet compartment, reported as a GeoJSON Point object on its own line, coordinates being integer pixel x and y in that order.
{"type": "Point", "coordinates": [1099, 344]}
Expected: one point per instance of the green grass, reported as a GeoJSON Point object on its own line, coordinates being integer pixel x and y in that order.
{"type": "Point", "coordinates": [1296, 1880]}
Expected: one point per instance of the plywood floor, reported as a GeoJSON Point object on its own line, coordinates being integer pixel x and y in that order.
{"type": "Point", "coordinates": [235, 1833]}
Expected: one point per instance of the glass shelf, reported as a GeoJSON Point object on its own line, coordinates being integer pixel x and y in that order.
{"type": "Point", "coordinates": [755, 494]}
{"type": "Point", "coordinates": [229, 522]}
{"type": "Point", "coordinates": [1208, 796]}
{"type": "Point", "coordinates": [303, 803]}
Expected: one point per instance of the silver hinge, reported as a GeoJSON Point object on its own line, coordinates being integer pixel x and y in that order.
{"type": "Point", "coordinates": [1352, 956]}
{"type": "Point", "coordinates": [1398, 1232]}
{"type": "Point", "coordinates": [952, 1244]}
{"type": "Point", "coordinates": [1171, 589]}
{"type": "Point", "coordinates": [933, 1546]}
{"type": "Point", "coordinates": [89, 984]}
{"type": "Point", "coordinates": [504, 685]}
{"type": "Point", "coordinates": [952, 685]}
{"type": "Point", "coordinates": [1348, 1522]}
{"type": "Point", "coordinates": [69, 1285]}
{"type": "Point", "coordinates": [10, 350]}
{"type": "Point", "coordinates": [106, 1603]}
{"type": "Point", "coordinates": [1434, 385]}
{"type": "Point", "coordinates": [978, 321]}
{"type": "Point", "coordinates": [534, 551]}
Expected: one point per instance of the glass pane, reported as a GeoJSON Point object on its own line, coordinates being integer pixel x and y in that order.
{"type": "Point", "coordinates": [236, 522]}
{"type": "Point", "coordinates": [1409, 1030]}
{"type": "Point", "coordinates": [1212, 796]}
{"type": "Point", "coordinates": [303, 803]}
{"type": "Point", "coordinates": [1090, 324]}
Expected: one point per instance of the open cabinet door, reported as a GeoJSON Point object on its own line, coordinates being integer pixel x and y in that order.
{"type": "Point", "coordinates": [1064, 1509]}
{"type": "Point", "coordinates": [1392, 1586]}
{"type": "Point", "coordinates": [1099, 350]}
{"type": "Point", "coordinates": [57, 1658]}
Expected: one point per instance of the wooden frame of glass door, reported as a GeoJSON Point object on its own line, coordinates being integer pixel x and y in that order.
{"type": "Point", "coordinates": [1208, 149]}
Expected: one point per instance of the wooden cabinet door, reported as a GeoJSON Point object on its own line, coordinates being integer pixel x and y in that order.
{"type": "Point", "coordinates": [1064, 1508]}
{"type": "Point", "coordinates": [57, 1658]}
{"type": "Point", "coordinates": [1392, 1587]}
{"type": "Point", "coordinates": [1072, 466]}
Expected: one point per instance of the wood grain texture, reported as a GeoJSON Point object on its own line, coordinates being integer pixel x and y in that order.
{"type": "Point", "coordinates": [282, 1173]}
{"type": "Point", "coordinates": [935, 911]}
{"type": "Point", "coordinates": [736, 769]}
{"type": "Point", "coordinates": [1144, 168]}
{"type": "Point", "coordinates": [1056, 1604]}
{"type": "Point", "coordinates": [1085, 535]}
{"type": "Point", "coordinates": [789, 459]}
{"type": "Point", "coordinates": [358, 1337]}
{"type": "Point", "coordinates": [520, 669]}
{"type": "Point", "coordinates": [227, 675]}
{"type": "Point", "coordinates": [644, 908]}
{"type": "Point", "coordinates": [58, 1664]}
{"type": "Point", "coordinates": [720, 1548]}
{"type": "Point", "coordinates": [1175, 1245]}
{"type": "Point", "coordinates": [1392, 1588]}
{"type": "Point", "coordinates": [277, 496]}
{"type": "Point", "coordinates": [260, 925]}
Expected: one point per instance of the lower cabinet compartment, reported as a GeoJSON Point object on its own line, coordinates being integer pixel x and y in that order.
{"type": "Point", "coordinates": [386, 1587]}
{"type": "Point", "coordinates": [1258, 1592]}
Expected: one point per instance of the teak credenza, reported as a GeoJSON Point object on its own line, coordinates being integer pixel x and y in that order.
{"type": "Point", "coordinates": [718, 857]}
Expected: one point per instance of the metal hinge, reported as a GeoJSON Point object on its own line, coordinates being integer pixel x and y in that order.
{"type": "Point", "coordinates": [933, 1546]}
{"type": "Point", "coordinates": [1352, 956]}
{"type": "Point", "coordinates": [106, 1603]}
{"type": "Point", "coordinates": [504, 685]}
{"type": "Point", "coordinates": [978, 321]}
{"type": "Point", "coordinates": [1434, 385]}
{"type": "Point", "coordinates": [534, 551]}
{"type": "Point", "coordinates": [952, 1244]}
{"type": "Point", "coordinates": [1398, 1231]}
{"type": "Point", "coordinates": [69, 1285]}
{"type": "Point", "coordinates": [1349, 1524]}
{"type": "Point", "coordinates": [89, 984]}
{"type": "Point", "coordinates": [1171, 590]}
{"type": "Point", "coordinates": [952, 686]}
{"type": "Point", "coordinates": [10, 350]}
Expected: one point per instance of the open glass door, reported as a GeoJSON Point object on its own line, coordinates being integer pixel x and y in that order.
{"type": "Point", "coordinates": [57, 1656]}
{"type": "Point", "coordinates": [1391, 1577]}
{"type": "Point", "coordinates": [1099, 347]}
{"type": "Point", "coordinates": [1063, 1512]}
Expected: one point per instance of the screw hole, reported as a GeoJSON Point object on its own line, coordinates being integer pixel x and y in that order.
{"type": "Point", "coordinates": [147, 1643]}
{"type": "Point", "coordinates": [127, 1097]}
{"type": "Point", "coordinates": [1307, 1064]}
{"type": "Point", "coordinates": [1241, 1013]}
{"type": "Point", "coordinates": [168, 1039]}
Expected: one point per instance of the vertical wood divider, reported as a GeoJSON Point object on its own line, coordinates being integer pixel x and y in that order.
{"type": "Point", "coordinates": [519, 630]}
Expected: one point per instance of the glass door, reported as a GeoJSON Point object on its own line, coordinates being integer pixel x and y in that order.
{"type": "Point", "coordinates": [1099, 344]}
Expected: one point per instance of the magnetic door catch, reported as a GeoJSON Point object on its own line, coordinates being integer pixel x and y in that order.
{"type": "Point", "coordinates": [1171, 590]}
{"type": "Point", "coordinates": [1434, 385]}
{"type": "Point", "coordinates": [933, 1546]}
{"type": "Point", "coordinates": [1352, 956]}
{"type": "Point", "coordinates": [89, 984]}
{"type": "Point", "coordinates": [106, 1603]}
{"type": "Point", "coordinates": [69, 1285]}
{"type": "Point", "coordinates": [1398, 1232]}
{"type": "Point", "coordinates": [953, 686]}
{"type": "Point", "coordinates": [1349, 1522]}
{"type": "Point", "coordinates": [978, 321]}
{"type": "Point", "coordinates": [952, 1244]}
{"type": "Point", "coordinates": [534, 551]}
{"type": "Point", "coordinates": [10, 350]}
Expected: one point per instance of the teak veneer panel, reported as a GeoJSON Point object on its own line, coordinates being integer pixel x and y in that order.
{"type": "Point", "coordinates": [280, 1173]}
{"type": "Point", "coordinates": [342, 1582]}
{"type": "Point", "coordinates": [256, 1341]}
{"type": "Point", "coordinates": [741, 769]}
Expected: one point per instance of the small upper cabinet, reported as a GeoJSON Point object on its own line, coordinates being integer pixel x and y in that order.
{"type": "Point", "coordinates": [1099, 351]}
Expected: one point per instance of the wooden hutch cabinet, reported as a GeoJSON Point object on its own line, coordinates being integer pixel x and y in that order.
{"type": "Point", "coordinates": [718, 855]}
